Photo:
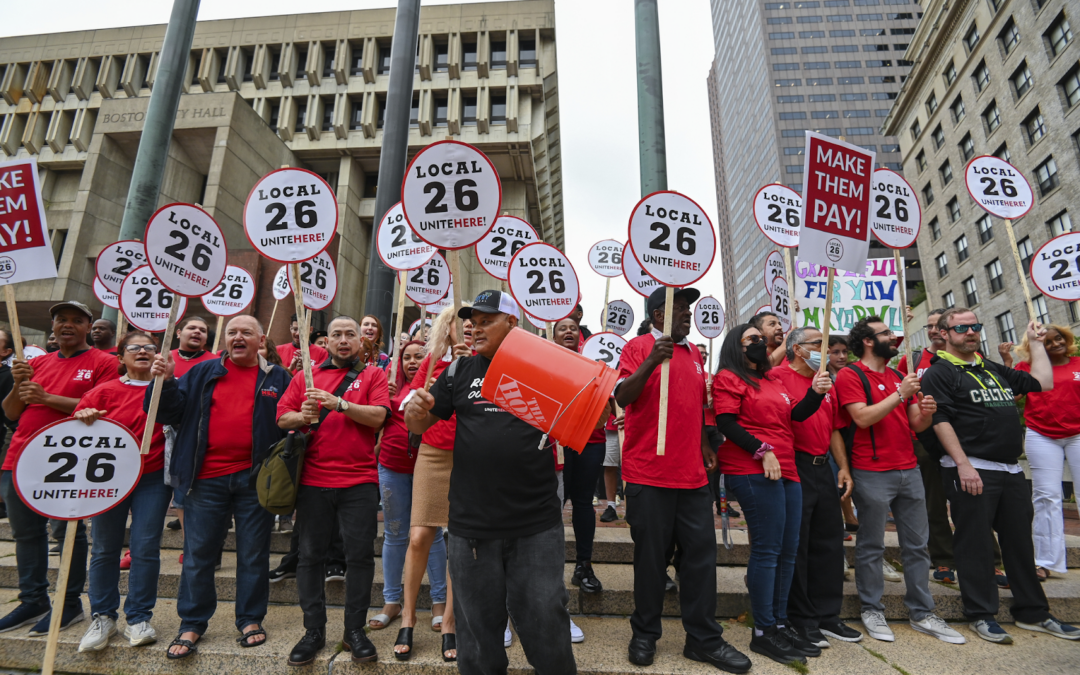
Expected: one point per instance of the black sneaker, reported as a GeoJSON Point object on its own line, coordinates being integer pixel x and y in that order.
{"type": "Point", "coordinates": [308, 648]}
{"type": "Point", "coordinates": [173, 524]}
{"type": "Point", "coordinates": [335, 573]}
{"type": "Point", "coordinates": [281, 574]}
{"type": "Point", "coordinates": [840, 631]}
{"type": "Point", "coordinates": [72, 614]}
{"type": "Point", "coordinates": [22, 615]}
{"type": "Point", "coordinates": [55, 550]}
{"type": "Point", "coordinates": [669, 585]}
{"type": "Point", "coordinates": [814, 636]}
{"type": "Point", "coordinates": [586, 578]}
{"type": "Point", "coordinates": [801, 644]}
{"type": "Point", "coordinates": [609, 515]}
{"type": "Point", "coordinates": [285, 524]}
{"type": "Point", "coordinates": [775, 645]}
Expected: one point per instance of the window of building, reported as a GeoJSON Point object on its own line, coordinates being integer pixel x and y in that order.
{"type": "Point", "coordinates": [866, 3]}
{"type": "Point", "coordinates": [275, 115]}
{"type": "Point", "coordinates": [836, 3]}
{"type": "Point", "coordinates": [992, 116]}
{"type": "Point", "coordinates": [328, 64]}
{"type": "Point", "coordinates": [996, 4]}
{"type": "Point", "coordinates": [1060, 34]}
{"type": "Point", "coordinates": [468, 50]}
{"type": "Point", "coordinates": [985, 226]}
{"type": "Point", "coordinates": [328, 115]}
{"type": "Point", "coordinates": [816, 50]}
{"type": "Point", "coordinates": [1021, 79]}
{"type": "Point", "coordinates": [848, 64]}
{"type": "Point", "coordinates": [794, 151]}
{"type": "Point", "coordinates": [414, 112]}
{"type": "Point", "coordinates": [860, 131]}
{"type": "Point", "coordinates": [782, 36]}
{"type": "Point", "coordinates": [1046, 175]}
{"type": "Point", "coordinates": [849, 80]}
{"type": "Point", "coordinates": [809, 19]}
{"type": "Point", "coordinates": [961, 245]}
{"type": "Point", "coordinates": [1010, 36]}
{"type": "Point", "coordinates": [994, 274]}
{"type": "Point", "coordinates": [1006, 329]}
{"type": "Point", "coordinates": [967, 147]}
{"type": "Point", "coordinates": [946, 173]}
{"type": "Point", "coordinates": [939, 137]}
{"type": "Point", "coordinates": [811, 34]}
{"type": "Point", "coordinates": [856, 113]}
{"type": "Point", "coordinates": [1023, 247]}
{"type": "Point", "coordinates": [971, 38]}
{"type": "Point", "coordinates": [954, 209]}
{"type": "Point", "coordinates": [982, 76]}
{"type": "Point", "coordinates": [931, 103]}
{"type": "Point", "coordinates": [935, 229]}
{"type": "Point", "coordinates": [879, 64]}
{"type": "Point", "coordinates": [791, 133]}
{"type": "Point", "coordinates": [357, 65]}
{"type": "Point", "coordinates": [949, 74]}
{"type": "Point", "coordinates": [384, 60]}
{"type": "Point", "coordinates": [1003, 153]}
{"type": "Point", "coordinates": [819, 81]}
{"type": "Point", "coordinates": [1041, 312]}
{"type": "Point", "coordinates": [883, 79]}
{"type": "Point", "coordinates": [971, 292]}
{"type": "Point", "coordinates": [301, 113]}
{"type": "Point", "coordinates": [789, 99]}
{"type": "Point", "coordinates": [816, 65]}
{"type": "Point", "coordinates": [795, 168]}
{"type": "Point", "coordinates": [787, 83]}
{"type": "Point", "coordinates": [957, 109]}
{"type": "Point", "coordinates": [442, 57]}
{"type": "Point", "coordinates": [1035, 126]}
{"type": "Point", "coordinates": [828, 131]}
{"type": "Point", "coordinates": [527, 52]}
{"type": "Point", "coordinates": [442, 110]}
{"type": "Point", "coordinates": [498, 54]}
{"type": "Point", "coordinates": [875, 48]}
{"type": "Point", "coordinates": [893, 166]}
{"type": "Point", "coordinates": [824, 114]}
{"type": "Point", "coordinates": [822, 98]}
{"type": "Point", "coordinates": [781, 51]}
{"type": "Point", "coordinates": [916, 130]}
{"type": "Point", "coordinates": [920, 160]}
{"type": "Point", "coordinates": [1070, 86]}
{"type": "Point", "coordinates": [928, 194]}
{"type": "Point", "coordinates": [845, 48]}
{"type": "Point", "coordinates": [900, 47]}
{"type": "Point", "coordinates": [880, 96]}
{"type": "Point", "coordinates": [901, 31]}
{"type": "Point", "coordinates": [853, 97]}
{"type": "Point", "coordinates": [869, 17]}
{"type": "Point", "coordinates": [942, 265]}
{"type": "Point", "coordinates": [800, 115]}
{"type": "Point", "coordinates": [869, 148]}
{"type": "Point", "coordinates": [1060, 224]}
{"type": "Point", "coordinates": [356, 120]}
{"type": "Point", "coordinates": [948, 300]}
{"type": "Point", "coordinates": [890, 148]}
{"type": "Point", "coordinates": [468, 111]}
{"type": "Point", "coordinates": [838, 18]}
{"type": "Point", "coordinates": [872, 32]}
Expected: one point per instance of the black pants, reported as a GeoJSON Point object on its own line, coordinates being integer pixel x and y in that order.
{"type": "Point", "coordinates": [324, 510]}
{"type": "Point", "coordinates": [940, 544]}
{"type": "Point", "coordinates": [522, 577]}
{"type": "Point", "coordinates": [1004, 506]}
{"type": "Point", "coordinates": [335, 555]}
{"type": "Point", "coordinates": [817, 589]}
{"type": "Point", "coordinates": [656, 515]}
{"type": "Point", "coordinates": [579, 474]}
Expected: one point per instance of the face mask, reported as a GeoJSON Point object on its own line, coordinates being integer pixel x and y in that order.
{"type": "Point", "coordinates": [757, 353]}
{"type": "Point", "coordinates": [814, 360]}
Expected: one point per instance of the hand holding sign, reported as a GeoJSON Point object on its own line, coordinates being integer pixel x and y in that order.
{"type": "Point", "coordinates": [398, 245]}
{"type": "Point", "coordinates": [499, 245]}
{"type": "Point", "coordinates": [604, 347]}
{"type": "Point", "coordinates": [543, 282]}
{"type": "Point", "coordinates": [620, 317]}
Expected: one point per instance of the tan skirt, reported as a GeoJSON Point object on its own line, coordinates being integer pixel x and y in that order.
{"type": "Point", "coordinates": [431, 487]}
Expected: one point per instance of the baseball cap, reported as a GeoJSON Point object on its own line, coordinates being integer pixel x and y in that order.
{"type": "Point", "coordinates": [71, 304]}
{"type": "Point", "coordinates": [491, 302]}
{"type": "Point", "coordinates": [656, 298]}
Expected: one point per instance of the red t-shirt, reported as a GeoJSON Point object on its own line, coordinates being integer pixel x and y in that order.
{"type": "Point", "coordinates": [232, 406]}
{"type": "Point", "coordinates": [892, 435]}
{"type": "Point", "coordinates": [110, 350]}
{"type": "Point", "coordinates": [441, 434]}
{"type": "Point", "coordinates": [682, 465]}
{"type": "Point", "coordinates": [813, 435]}
{"type": "Point", "coordinates": [924, 363]}
{"type": "Point", "coordinates": [123, 403]}
{"type": "Point", "coordinates": [288, 350]}
{"type": "Point", "coordinates": [1056, 413]}
{"type": "Point", "coordinates": [182, 365]}
{"type": "Point", "coordinates": [765, 413]}
{"type": "Point", "coordinates": [68, 377]}
{"type": "Point", "coordinates": [394, 451]}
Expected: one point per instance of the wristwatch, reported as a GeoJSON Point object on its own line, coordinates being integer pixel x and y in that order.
{"type": "Point", "coordinates": [342, 405]}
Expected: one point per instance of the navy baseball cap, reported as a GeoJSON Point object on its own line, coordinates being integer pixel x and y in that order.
{"type": "Point", "coordinates": [656, 298]}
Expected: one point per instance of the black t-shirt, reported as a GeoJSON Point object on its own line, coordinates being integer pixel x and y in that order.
{"type": "Point", "coordinates": [503, 485]}
{"type": "Point", "coordinates": [7, 427]}
{"type": "Point", "coordinates": [978, 403]}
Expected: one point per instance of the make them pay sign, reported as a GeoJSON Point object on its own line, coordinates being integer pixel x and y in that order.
{"type": "Point", "coordinates": [290, 215]}
{"type": "Point", "coordinates": [25, 253]}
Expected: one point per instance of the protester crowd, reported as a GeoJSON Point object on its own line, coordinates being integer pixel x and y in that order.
{"type": "Point", "coordinates": [472, 495]}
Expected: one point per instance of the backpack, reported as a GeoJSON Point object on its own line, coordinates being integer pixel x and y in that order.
{"type": "Point", "coordinates": [279, 475]}
{"type": "Point", "coordinates": [849, 433]}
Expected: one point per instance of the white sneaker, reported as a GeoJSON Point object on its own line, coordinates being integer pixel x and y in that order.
{"type": "Point", "coordinates": [1053, 627]}
{"type": "Point", "coordinates": [876, 626]}
{"type": "Point", "coordinates": [889, 572]}
{"type": "Point", "coordinates": [140, 634]}
{"type": "Point", "coordinates": [508, 637]}
{"type": "Point", "coordinates": [576, 636]}
{"type": "Point", "coordinates": [936, 626]}
{"type": "Point", "coordinates": [97, 635]}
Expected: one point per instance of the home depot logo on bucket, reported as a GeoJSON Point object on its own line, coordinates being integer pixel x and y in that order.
{"type": "Point", "coordinates": [525, 403]}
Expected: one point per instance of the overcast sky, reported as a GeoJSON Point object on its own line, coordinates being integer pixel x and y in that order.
{"type": "Point", "coordinates": [597, 97]}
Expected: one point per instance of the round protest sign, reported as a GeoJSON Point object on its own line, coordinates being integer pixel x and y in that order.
{"type": "Point", "coordinates": [543, 282]}
{"type": "Point", "coordinates": [605, 257]}
{"type": "Point", "coordinates": [186, 250]}
{"type": "Point", "coordinates": [107, 297]}
{"type": "Point", "coordinates": [446, 301]}
{"type": "Point", "coordinates": [672, 238]}
{"type": "Point", "coordinates": [778, 212]}
{"type": "Point", "coordinates": [451, 195]}
{"type": "Point", "coordinates": [638, 279]}
{"type": "Point", "coordinates": [604, 347]}
{"type": "Point", "coordinates": [998, 187]}
{"type": "Point", "coordinates": [774, 267]}
{"type": "Point", "coordinates": [763, 308]}
{"type": "Point", "coordinates": [1055, 268]}
{"type": "Point", "coordinates": [781, 302]}
{"type": "Point", "coordinates": [146, 302]}
{"type": "Point", "coordinates": [318, 282]}
{"type": "Point", "coordinates": [428, 284]}
{"type": "Point", "coordinates": [895, 214]}
{"type": "Point", "coordinates": [415, 326]}
{"type": "Point", "coordinates": [499, 245]}
{"type": "Point", "coordinates": [398, 245]}
{"type": "Point", "coordinates": [282, 287]}
{"type": "Point", "coordinates": [290, 215]}
{"type": "Point", "coordinates": [70, 471]}
{"type": "Point", "coordinates": [117, 260]}
{"type": "Point", "coordinates": [620, 317]}
{"type": "Point", "coordinates": [233, 294]}
{"type": "Point", "coordinates": [709, 317]}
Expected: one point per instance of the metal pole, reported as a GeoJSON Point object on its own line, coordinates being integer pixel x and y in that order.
{"type": "Point", "coordinates": [158, 126]}
{"type": "Point", "coordinates": [652, 149]}
{"type": "Point", "coordinates": [379, 299]}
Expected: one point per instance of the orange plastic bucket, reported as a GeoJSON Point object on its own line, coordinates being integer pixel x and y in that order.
{"type": "Point", "coordinates": [554, 389]}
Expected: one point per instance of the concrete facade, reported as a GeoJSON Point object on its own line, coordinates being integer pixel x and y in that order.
{"type": "Point", "coordinates": [1021, 108]}
{"type": "Point", "coordinates": [307, 90]}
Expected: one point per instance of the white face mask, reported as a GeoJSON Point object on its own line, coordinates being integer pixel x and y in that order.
{"type": "Point", "coordinates": [813, 359]}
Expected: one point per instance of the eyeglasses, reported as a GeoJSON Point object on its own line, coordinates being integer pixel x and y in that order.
{"type": "Point", "coordinates": [816, 344]}
{"type": "Point", "coordinates": [885, 332]}
{"type": "Point", "coordinates": [930, 326]}
{"type": "Point", "coordinates": [135, 349]}
{"type": "Point", "coordinates": [963, 328]}
{"type": "Point", "coordinates": [753, 339]}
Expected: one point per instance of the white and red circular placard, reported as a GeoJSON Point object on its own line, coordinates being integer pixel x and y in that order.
{"type": "Point", "coordinates": [998, 187]}
{"type": "Point", "coordinates": [318, 281]}
{"type": "Point", "coordinates": [639, 279]}
{"type": "Point", "coordinates": [146, 302]}
{"type": "Point", "coordinates": [605, 258]}
{"type": "Point", "coordinates": [778, 213]}
{"type": "Point", "coordinates": [446, 301]}
{"type": "Point", "coordinates": [709, 317]}
{"type": "Point", "coordinates": [543, 282]}
{"type": "Point", "coordinates": [604, 347]}
{"type": "Point", "coordinates": [780, 302]}
{"type": "Point", "coordinates": [70, 471]}
{"type": "Point", "coordinates": [282, 287]}
{"type": "Point", "coordinates": [428, 284]}
{"type": "Point", "coordinates": [290, 215]}
{"type": "Point", "coordinates": [774, 267]}
{"type": "Point", "coordinates": [415, 326]}
{"type": "Point", "coordinates": [107, 297]}
{"type": "Point", "coordinates": [895, 213]}
{"type": "Point", "coordinates": [1055, 267]}
{"type": "Point", "coordinates": [451, 195]}
{"type": "Point", "coordinates": [398, 245]}
{"type": "Point", "coordinates": [672, 238]}
{"type": "Point", "coordinates": [620, 317]}
{"type": "Point", "coordinates": [499, 245]}
{"type": "Point", "coordinates": [186, 249]}
{"type": "Point", "coordinates": [117, 260]}
{"type": "Point", "coordinates": [763, 308]}
{"type": "Point", "coordinates": [233, 294]}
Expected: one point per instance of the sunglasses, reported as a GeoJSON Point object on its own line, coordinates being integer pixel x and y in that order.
{"type": "Point", "coordinates": [753, 339]}
{"type": "Point", "coordinates": [885, 332]}
{"type": "Point", "coordinates": [963, 328]}
{"type": "Point", "coordinates": [135, 349]}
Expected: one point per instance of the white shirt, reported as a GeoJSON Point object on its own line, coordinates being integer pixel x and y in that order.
{"type": "Point", "coordinates": [983, 464]}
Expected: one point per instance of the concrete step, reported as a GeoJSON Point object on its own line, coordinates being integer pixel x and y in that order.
{"type": "Point", "coordinates": [617, 598]}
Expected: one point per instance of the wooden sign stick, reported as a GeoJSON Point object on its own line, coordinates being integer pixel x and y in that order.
{"type": "Point", "coordinates": [273, 313]}
{"type": "Point", "coordinates": [455, 279]}
{"type": "Point", "coordinates": [899, 261]}
{"type": "Point", "coordinates": [1019, 270]}
{"type": "Point", "coordinates": [603, 315]}
{"type": "Point", "coordinates": [665, 374]}
{"type": "Point", "coordinates": [155, 396]}
{"type": "Point", "coordinates": [217, 333]}
{"type": "Point", "coordinates": [13, 319]}
{"type": "Point", "coordinates": [791, 286]}
{"type": "Point", "coordinates": [397, 330]}
{"type": "Point", "coordinates": [58, 596]}
{"type": "Point", "coordinates": [121, 325]}
{"type": "Point", "coordinates": [301, 324]}
{"type": "Point", "coordinates": [826, 321]}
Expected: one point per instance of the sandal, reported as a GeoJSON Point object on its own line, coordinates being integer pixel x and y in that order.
{"type": "Point", "coordinates": [179, 642]}
{"type": "Point", "coordinates": [404, 637]}
{"type": "Point", "coordinates": [449, 641]}
{"type": "Point", "coordinates": [1042, 573]}
{"type": "Point", "coordinates": [243, 639]}
{"type": "Point", "coordinates": [380, 621]}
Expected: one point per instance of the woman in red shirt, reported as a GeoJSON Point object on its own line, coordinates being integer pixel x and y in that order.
{"type": "Point", "coordinates": [1053, 437]}
{"type": "Point", "coordinates": [754, 413]}
{"type": "Point", "coordinates": [122, 401]}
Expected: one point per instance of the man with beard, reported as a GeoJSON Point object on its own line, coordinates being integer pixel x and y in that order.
{"type": "Point", "coordinates": [103, 335]}
{"type": "Point", "coordinates": [192, 336]}
{"type": "Point", "coordinates": [883, 406]}
{"type": "Point", "coordinates": [768, 324]}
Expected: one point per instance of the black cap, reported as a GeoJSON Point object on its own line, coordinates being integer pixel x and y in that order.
{"type": "Point", "coordinates": [656, 298]}
{"type": "Point", "coordinates": [318, 334]}
{"type": "Point", "coordinates": [491, 302]}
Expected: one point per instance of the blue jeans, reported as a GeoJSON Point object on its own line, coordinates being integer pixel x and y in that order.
{"type": "Point", "coordinates": [148, 503]}
{"type": "Point", "coordinates": [773, 512]}
{"type": "Point", "coordinates": [206, 516]}
{"type": "Point", "coordinates": [396, 489]}
{"type": "Point", "coordinates": [31, 533]}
